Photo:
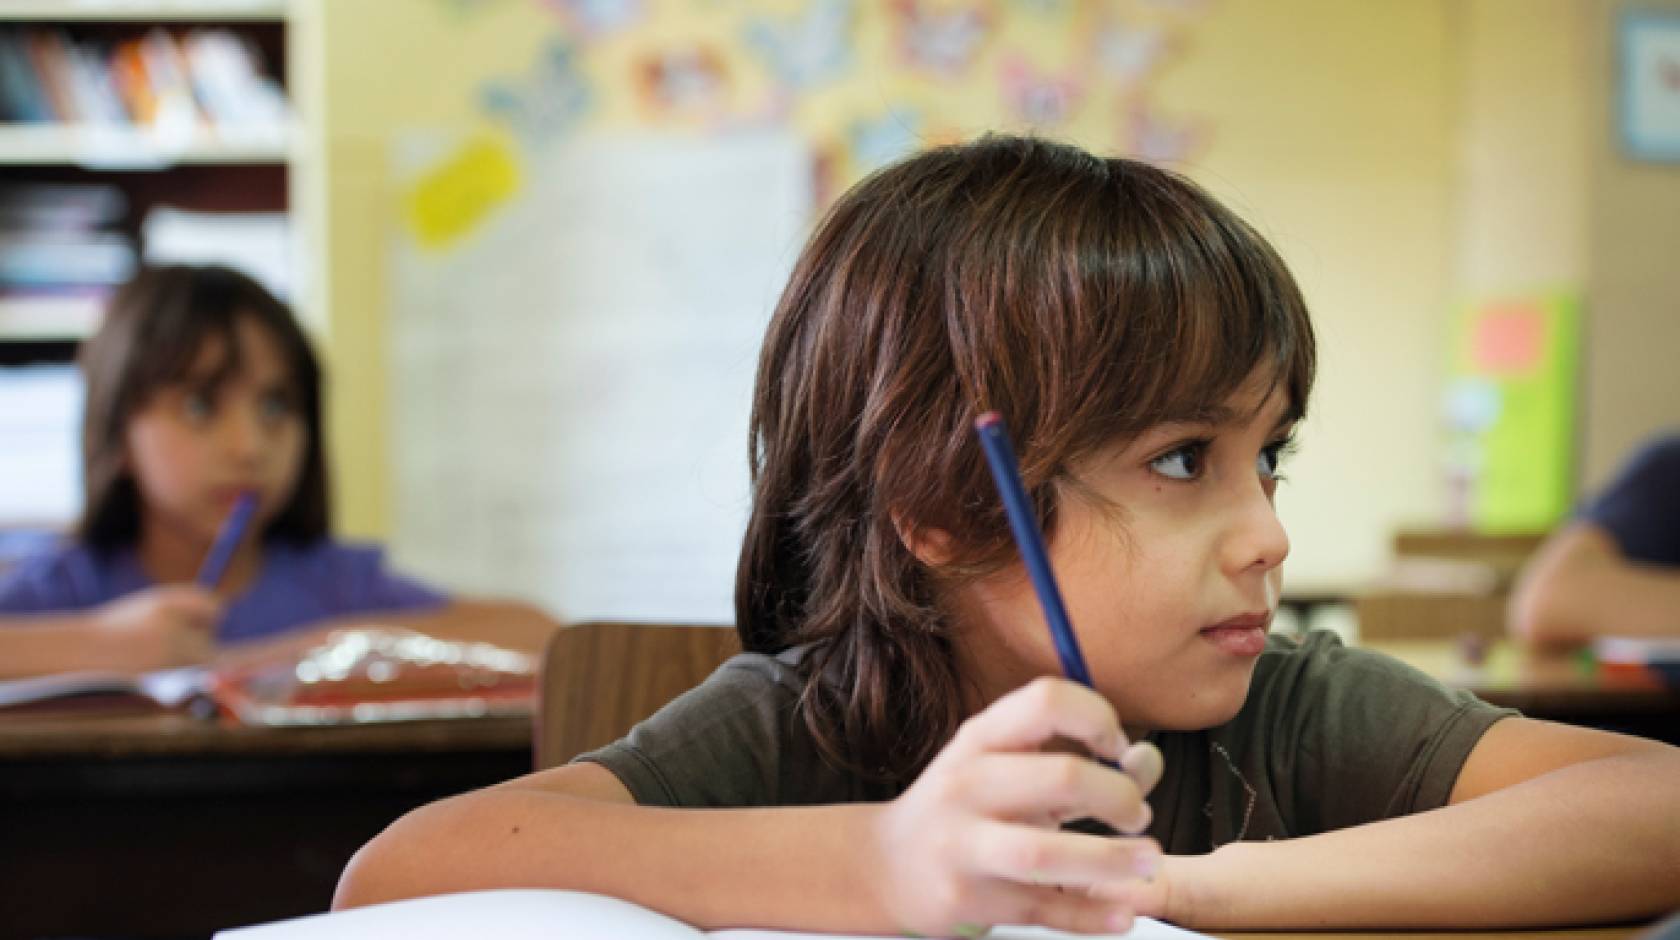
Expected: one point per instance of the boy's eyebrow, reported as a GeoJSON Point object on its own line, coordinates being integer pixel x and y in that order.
{"type": "Point", "coordinates": [1219, 414]}
{"type": "Point", "coordinates": [1214, 414]}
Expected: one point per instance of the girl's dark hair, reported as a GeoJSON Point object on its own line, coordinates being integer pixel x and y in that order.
{"type": "Point", "coordinates": [154, 329]}
{"type": "Point", "coordinates": [1085, 299]}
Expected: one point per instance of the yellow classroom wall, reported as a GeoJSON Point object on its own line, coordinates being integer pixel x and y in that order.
{"type": "Point", "coordinates": [1363, 138]}
{"type": "Point", "coordinates": [1630, 379]}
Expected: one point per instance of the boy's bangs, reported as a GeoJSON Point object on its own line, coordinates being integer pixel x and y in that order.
{"type": "Point", "coordinates": [1225, 311]}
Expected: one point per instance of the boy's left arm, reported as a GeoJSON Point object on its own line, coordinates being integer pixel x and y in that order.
{"type": "Point", "coordinates": [1548, 824]}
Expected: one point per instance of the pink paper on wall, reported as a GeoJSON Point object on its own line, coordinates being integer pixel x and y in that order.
{"type": "Point", "coordinates": [1509, 341]}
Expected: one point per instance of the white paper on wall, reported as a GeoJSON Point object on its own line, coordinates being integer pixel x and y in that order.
{"type": "Point", "coordinates": [571, 381]}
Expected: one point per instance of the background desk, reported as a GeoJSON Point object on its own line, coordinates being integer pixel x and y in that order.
{"type": "Point", "coordinates": [1557, 686]}
{"type": "Point", "coordinates": [166, 826]}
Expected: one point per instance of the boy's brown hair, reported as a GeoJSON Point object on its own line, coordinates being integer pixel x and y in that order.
{"type": "Point", "coordinates": [1085, 299]}
{"type": "Point", "coordinates": [154, 329]}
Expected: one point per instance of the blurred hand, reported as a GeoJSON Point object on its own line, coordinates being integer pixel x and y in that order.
{"type": "Point", "coordinates": [157, 628]}
{"type": "Point", "coordinates": [976, 840]}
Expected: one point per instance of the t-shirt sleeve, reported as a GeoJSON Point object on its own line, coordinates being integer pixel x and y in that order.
{"type": "Point", "coordinates": [45, 584]}
{"type": "Point", "coordinates": [731, 741]}
{"type": "Point", "coordinates": [1360, 736]}
{"type": "Point", "coordinates": [357, 580]}
{"type": "Point", "coordinates": [1640, 509]}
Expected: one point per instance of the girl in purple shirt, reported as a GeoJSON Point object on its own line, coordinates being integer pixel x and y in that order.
{"type": "Point", "coordinates": [202, 387]}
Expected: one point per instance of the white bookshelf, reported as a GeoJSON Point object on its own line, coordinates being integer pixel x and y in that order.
{"type": "Point", "coordinates": [129, 148]}
{"type": "Point", "coordinates": [27, 318]}
{"type": "Point", "coordinates": [141, 10]}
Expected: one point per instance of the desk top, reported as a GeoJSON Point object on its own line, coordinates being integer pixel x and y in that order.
{"type": "Point", "coordinates": [32, 737]}
{"type": "Point", "coordinates": [1540, 682]}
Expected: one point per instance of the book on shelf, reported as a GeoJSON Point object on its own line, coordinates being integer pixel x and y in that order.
{"type": "Point", "coordinates": [256, 243]}
{"type": "Point", "coordinates": [167, 80]}
{"type": "Point", "coordinates": [41, 458]}
{"type": "Point", "coordinates": [61, 254]}
{"type": "Point", "coordinates": [551, 914]}
{"type": "Point", "coordinates": [55, 207]}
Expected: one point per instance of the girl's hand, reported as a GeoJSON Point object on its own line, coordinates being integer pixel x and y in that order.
{"type": "Point", "coordinates": [157, 628]}
{"type": "Point", "coordinates": [975, 841]}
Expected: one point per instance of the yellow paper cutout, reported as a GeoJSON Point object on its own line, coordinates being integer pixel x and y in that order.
{"type": "Point", "coordinates": [456, 196]}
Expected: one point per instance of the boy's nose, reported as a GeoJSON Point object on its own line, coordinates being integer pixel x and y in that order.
{"type": "Point", "coordinates": [1257, 540]}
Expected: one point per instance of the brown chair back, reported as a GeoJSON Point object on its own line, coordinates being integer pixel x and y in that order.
{"type": "Point", "coordinates": [599, 679]}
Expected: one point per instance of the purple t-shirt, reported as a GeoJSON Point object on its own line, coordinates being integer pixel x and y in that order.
{"type": "Point", "coordinates": [297, 586]}
{"type": "Point", "coordinates": [1641, 508]}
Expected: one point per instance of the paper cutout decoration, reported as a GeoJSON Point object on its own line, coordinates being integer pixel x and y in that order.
{"type": "Point", "coordinates": [1043, 7]}
{"type": "Point", "coordinates": [1157, 139]}
{"type": "Point", "coordinates": [806, 50]}
{"type": "Point", "coordinates": [942, 41]}
{"type": "Point", "coordinates": [1035, 98]}
{"type": "Point", "coordinates": [684, 82]}
{"type": "Point", "coordinates": [1130, 54]}
{"type": "Point", "coordinates": [881, 140]}
{"type": "Point", "coordinates": [456, 196]}
{"type": "Point", "coordinates": [549, 103]}
{"type": "Point", "coordinates": [593, 18]}
{"type": "Point", "coordinates": [1510, 412]}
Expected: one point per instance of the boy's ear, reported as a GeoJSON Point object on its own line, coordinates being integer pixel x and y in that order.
{"type": "Point", "coordinates": [931, 546]}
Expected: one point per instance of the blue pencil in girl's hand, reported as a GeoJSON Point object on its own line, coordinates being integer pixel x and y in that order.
{"type": "Point", "coordinates": [1000, 456]}
{"type": "Point", "coordinates": [221, 551]}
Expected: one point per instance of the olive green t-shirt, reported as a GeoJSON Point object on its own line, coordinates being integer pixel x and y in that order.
{"type": "Point", "coordinates": [1329, 737]}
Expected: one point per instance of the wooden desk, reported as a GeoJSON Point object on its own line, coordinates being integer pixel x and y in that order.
{"type": "Point", "coordinates": [1556, 686]}
{"type": "Point", "coordinates": [167, 826]}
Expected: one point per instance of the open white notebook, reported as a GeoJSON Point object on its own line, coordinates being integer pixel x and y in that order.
{"type": "Point", "coordinates": [534, 914]}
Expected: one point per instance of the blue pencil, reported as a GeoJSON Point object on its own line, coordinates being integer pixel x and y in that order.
{"type": "Point", "coordinates": [1000, 456]}
{"type": "Point", "coordinates": [227, 539]}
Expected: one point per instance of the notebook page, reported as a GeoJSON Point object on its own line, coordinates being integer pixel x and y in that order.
{"type": "Point", "coordinates": [1144, 928]}
{"type": "Point", "coordinates": [512, 914]}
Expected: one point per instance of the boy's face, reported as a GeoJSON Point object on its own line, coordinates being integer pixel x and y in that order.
{"type": "Point", "coordinates": [1169, 563]}
{"type": "Point", "coordinates": [195, 445]}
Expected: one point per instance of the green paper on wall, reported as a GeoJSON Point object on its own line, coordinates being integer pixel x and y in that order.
{"type": "Point", "coordinates": [1511, 408]}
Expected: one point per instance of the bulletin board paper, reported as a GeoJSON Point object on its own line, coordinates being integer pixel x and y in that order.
{"type": "Point", "coordinates": [571, 381]}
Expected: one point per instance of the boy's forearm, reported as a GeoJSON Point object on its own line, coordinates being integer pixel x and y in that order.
{"type": "Point", "coordinates": [1593, 842]}
{"type": "Point", "coordinates": [789, 868]}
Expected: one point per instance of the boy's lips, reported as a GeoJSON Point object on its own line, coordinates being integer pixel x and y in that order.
{"type": "Point", "coordinates": [1242, 635]}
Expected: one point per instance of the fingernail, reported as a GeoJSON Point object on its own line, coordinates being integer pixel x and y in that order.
{"type": "Point", "coordinates": [970, 931]}
{"type": "Point", "coordinates": [1120, 922]}
{"type": "Point", "coordinates": [1146, 865]}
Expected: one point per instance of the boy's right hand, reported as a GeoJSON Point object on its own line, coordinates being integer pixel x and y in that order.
{"type": "Point", "coordinates": [158, 628]}
{"type": "Point", "coordinates": [976, 840]}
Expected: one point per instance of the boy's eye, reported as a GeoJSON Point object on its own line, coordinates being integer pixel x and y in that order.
{"type": "Point", "coordinates": [1181, 463]}
{"type": "Point", "coordinates": [1271, 457]}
